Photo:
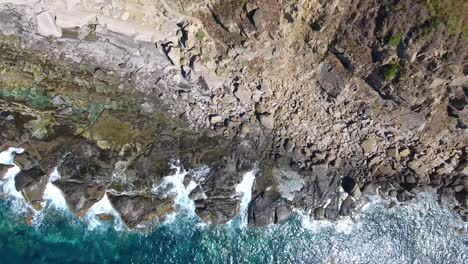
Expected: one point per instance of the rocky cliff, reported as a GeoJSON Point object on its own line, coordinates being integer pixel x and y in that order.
{"type": "Point", "coordinates": [326, 100]}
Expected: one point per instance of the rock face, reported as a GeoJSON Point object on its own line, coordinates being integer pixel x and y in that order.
{"type": "Point", "coordinates": [139, 209]}
{"type": "Point", "coordinates": [318, 96]}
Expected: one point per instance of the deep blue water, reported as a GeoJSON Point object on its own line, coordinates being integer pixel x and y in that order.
{"type": "Point", "coordinates": [416, 233]}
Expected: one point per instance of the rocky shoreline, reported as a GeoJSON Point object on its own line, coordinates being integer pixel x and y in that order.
{"type": "Point", "coordinates": [318, 96]}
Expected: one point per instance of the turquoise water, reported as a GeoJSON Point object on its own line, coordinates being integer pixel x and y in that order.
{"type": "Point", "coordinates": [418, 233]}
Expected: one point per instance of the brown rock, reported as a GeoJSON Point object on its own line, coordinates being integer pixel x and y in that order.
{"type": "Point", "coordinates": [369, 145]}
{"type": "Point", "coordinates": [25, 161]}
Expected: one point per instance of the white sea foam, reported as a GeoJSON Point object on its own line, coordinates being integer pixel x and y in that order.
{"type": "Point", "coordinates": [8, 185]}
{"type": "Point", "coordinates": [53, 196]}
{"type": "Point", "coordinates": [343, 225]}
{"type": "Point", "coordinates": [102, 207]}
{"type": "Point", "coordinates": [7, 156]}
{"type": "Point", "coordinates": [174, 185]}
{"type": "Point", "coordinates": [245, 187]}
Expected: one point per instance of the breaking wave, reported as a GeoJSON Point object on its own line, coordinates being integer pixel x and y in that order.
{"type": "Point", "coordinates": [420, 232]}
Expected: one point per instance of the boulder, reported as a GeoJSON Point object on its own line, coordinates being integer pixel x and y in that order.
{"type": "Point", "coordinates": [369, 145]}
{"type": "Point", "coordinates": [81, 196]}
{"type": "Point", "coordinates": [244, 95]}
{"type": "Point", "coordinates": [46, 25]}
{"type": "Point", "coordinates": [25, 161]}
{"type": "Point", "coordinates": [137, 209]}
{"type": "Point", "coordinates": [347, 206]}
{"type": "Point", "coordinates": [267, 120]}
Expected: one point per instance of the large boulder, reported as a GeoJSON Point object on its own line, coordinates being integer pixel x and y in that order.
{"type": "Point", "coordinates": [136, 209]}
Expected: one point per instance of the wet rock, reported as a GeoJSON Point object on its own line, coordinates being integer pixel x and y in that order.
{"type": "Point", "coordinates": [288, 182]}
{"type": "Point", "coordinates": [138, 209]}
{"type": "Point", "coordinates": [262, 209]}
{"type": "Point", "coordinates": [25, 161]}
{"type": "Point", "coordinates": [84, 163]}
{"type": "Point", "coordinates": [32, 183]}
{"type": "Point", "coordinates": [319, 213]}
{"type": "Point", "coordinates": [105, 217]}
{"type": "Point", "coordinates": [4, 169]}
{"type": "Point", "coordinates": [81, 196]}
{"type": "Point", "coordinates": [34, 192]}
{"type": "Point", "coordinates": [282, 213]}
{"type": "Point", "coordinates": [197, 194]}
{"type": "Point", "coordinates": [351, 187]}
{"type": "Point", "coordinates": [25, 178]}
{"type": "Point", "coordinates": [221, 202]}
{"type": "Point", "coordinates": [347, 207]}
{"type": "Point", "coordinates": [404, 196]}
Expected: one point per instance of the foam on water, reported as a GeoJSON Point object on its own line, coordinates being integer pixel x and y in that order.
{"type": "Point", "coordinates": [174, 185]}
{"type": "Point", "coordinates": [102, 207]}
{"type": "Point", "coordinates": [53, 196]}
{"type": "Point", "coordinates": [245, 187]}
{"type": "Point", "coordinates": [7, 156]}
{"type": "Point", "coordinates": [8, 185]}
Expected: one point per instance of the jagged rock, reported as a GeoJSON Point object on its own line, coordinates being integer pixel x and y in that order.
{"type": "Point", "coordinates": [351, 187]}
{"type": "Point", "coordinates": [32, 183]}
{"type": "Point", "coordinates": [216, 119]}
{"type": "Point", "coordinates": [331, 77]}
{"type": "Point", "coordinates": [320, 81]}
{"type": "Point", "coordinates": [81, 196]}
{"type": "Point", "coordinates": [4, 169]}
{"type": "Point", "coordinates": [369, 145]}
{"type": "Point", "coordinates": [282, 213]}
{"type": "Point", "coordinates": [220, 203]}
{"type": "Point", "coordinates": [25, 161]}
{"type": "Point", "coordinates": [263, 209]}
{"type": "Point", "coordinates": [267, 120]}
{"type": "Point", "coordinates": [134, 210]}
{"type": "Point", "coordinates": [28, 177]}
{"type": "Point", "coordinates": [288, 182]}
{"type": "Point", "coordinates": [370, 189]}
{"type": "Point", "coordinates": [105, 217]}
{"type": "Point", "coordinates": [393, 153]}
{"type": "Point", "coordinates": [84, 162]}
{"type": "Point", "coordinates": [46, 25]}
{"type": "Point", "coordinates": [244, 95]}
{"type": "Point", "coordinates": [405, 153]}
{"type": "Point", "coordinates": [347, 206]}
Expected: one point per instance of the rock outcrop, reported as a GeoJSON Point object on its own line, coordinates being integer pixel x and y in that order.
{"type": "Point", "coordinates": [329, 100]}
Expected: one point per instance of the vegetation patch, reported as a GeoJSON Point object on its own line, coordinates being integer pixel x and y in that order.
{"type": "Point", "coordinates": [391, 71]}
{"type": "Point", "coordinates": [395, 39]}
{"type": "Point", "coordinates": [200, 35]}
{"type": "Point", "coordinates": [454, 14]}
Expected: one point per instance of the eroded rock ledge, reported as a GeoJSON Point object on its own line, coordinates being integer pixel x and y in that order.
{"type": "Point", "coordinates": [318, 95]}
